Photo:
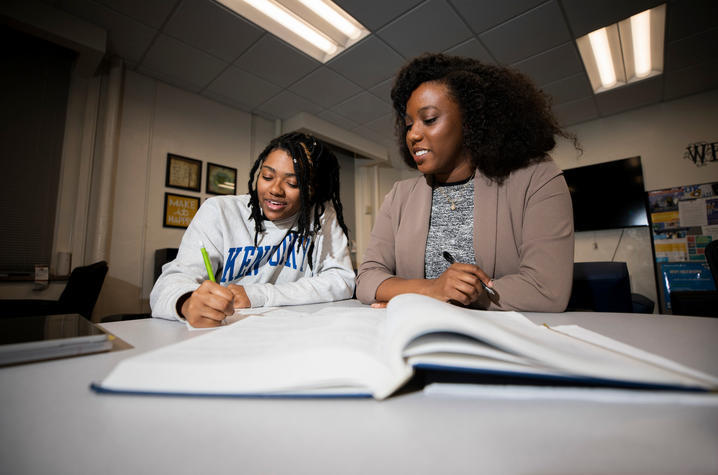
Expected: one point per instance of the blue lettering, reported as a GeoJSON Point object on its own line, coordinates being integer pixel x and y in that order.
{"type": "Point", "coordinates": [261, 251]}
{"type": "Point", "coordinates": [229, 264]}
{"type": "Point", "coordinates": [274, 258]}
{"type": "Point", "coordinates": [246, 260]}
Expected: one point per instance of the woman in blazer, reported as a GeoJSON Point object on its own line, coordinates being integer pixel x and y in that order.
{"type": "Point", "coordinates": [489, 194]}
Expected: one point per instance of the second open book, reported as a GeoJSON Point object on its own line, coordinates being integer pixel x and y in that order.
{"type": "Point", "coordinates": [364, 351]}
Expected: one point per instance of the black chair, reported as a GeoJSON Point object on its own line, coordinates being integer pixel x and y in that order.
{"type": "Point", "coordinates": [79, 296]}
{"type": "Point", "coordinates": [605, 287]}
{"type": "Point", "coordinates": [162, 257]}
{"type": "Point", "coordinates": [699, 303]}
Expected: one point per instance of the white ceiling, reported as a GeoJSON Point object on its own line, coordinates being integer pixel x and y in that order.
{"type": "Point", "coordinates": [200, 46]}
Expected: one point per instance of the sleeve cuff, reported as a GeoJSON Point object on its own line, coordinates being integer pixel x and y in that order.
{"type": "Point", "coordinates": [257, 294]}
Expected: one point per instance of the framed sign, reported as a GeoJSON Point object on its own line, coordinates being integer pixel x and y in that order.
{"type": "Point", "coordinates": [183, 172]}
{"type": "Point", "coordinates": [221, 180]}
{"type": "Point", "coordinates": [179, 210]}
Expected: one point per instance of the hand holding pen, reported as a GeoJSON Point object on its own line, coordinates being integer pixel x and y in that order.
{"type": "Point", "coordinates": [211, 303]}
{"type": "Point", "coordinates": [463, 283]}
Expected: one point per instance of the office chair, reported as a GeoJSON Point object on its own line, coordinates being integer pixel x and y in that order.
{"type": "Point", "coordinates": [79, 296]}
{"type": "Point", "coordinates": [699, 303]}
{"type": "Point", "coordinates": [162, 257]}
{"type": "Point", "coordinates": [605, 287]}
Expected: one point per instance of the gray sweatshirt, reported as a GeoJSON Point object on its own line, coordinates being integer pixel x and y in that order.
{"type": "Point", "coordinates": [275, 272]}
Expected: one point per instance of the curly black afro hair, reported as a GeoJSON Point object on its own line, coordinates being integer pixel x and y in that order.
{"type": "Point", "coordinates": [507, 121]}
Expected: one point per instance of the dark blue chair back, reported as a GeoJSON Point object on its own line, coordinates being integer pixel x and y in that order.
{"type": "Point", "coordinates": [601, 287]}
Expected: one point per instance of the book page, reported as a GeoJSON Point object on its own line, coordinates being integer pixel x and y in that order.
{"type": "Point", "coordinates": [268, 355]}
{"type": "Point", "coordinates": [413, 315]}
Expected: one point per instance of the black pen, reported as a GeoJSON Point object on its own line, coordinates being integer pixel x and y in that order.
{"type": "Point", "coordinates": [450, 259]}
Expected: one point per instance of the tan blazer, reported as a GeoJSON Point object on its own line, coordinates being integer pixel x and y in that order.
{"type": "Point", "coordinates": [523, 238]}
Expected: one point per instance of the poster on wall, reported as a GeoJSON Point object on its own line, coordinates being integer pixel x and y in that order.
{"type": "Point", "coordinates": [684, 220]}
{"type": "Point", "coordinates": [179, 210]}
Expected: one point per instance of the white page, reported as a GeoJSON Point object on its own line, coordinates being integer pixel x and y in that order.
{"type": "Point", "coordinates": [605, 342]}
{"type": "Point", "coordinates": [411, 315]}
{"type": "Point", "coordinates": [552, 393]}
{"type": "Point", "coordinates": [267, 354]}
{"type": "Point", "coordinates": [693, 213]}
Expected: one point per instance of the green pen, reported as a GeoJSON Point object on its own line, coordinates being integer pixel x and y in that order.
{"type": "Point", "coordinates": [207, 263]}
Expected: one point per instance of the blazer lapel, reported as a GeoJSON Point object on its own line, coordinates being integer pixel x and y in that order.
{"type": "Point", "coordinates": [416, 229]}
{"type": "Point", "coordinates": [486, 197]}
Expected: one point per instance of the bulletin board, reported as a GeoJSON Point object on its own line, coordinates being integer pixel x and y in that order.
{"type": "Point", "coordinates": [684, 220]}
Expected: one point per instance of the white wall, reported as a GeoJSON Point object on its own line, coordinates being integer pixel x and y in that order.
{"type": "Point", "coordinates": [659, 134]}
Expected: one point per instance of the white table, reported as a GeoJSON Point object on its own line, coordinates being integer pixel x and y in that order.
{"type": "Point", "coordinates": [51, 422]}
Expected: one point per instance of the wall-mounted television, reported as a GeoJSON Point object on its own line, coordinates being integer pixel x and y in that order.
{"type": "Point", "coordinates": [608, 195]}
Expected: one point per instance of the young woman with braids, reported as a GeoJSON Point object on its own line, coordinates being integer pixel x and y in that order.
{"type": "Point", "coordinates": [285, 243]}
{"type": "Point", "coordinates": [489, 193]}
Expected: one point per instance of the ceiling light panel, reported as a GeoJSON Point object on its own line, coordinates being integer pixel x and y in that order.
{"type": "Point", "coordinates": [624, 52]}
{"type": "Point", "coordinates": [317, 27]}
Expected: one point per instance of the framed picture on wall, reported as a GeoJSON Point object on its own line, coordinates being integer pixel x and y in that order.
{"type": "Point", "coordinates": [183, 172]}
{"type": "Point", "coordinates": [221, 180]}
{"type": "Point", "coordinates": [179, 210]}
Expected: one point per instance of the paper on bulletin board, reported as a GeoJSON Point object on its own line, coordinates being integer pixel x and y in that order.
{"type": "Point", "coordinates": [665, 220]}
{"type": "Point", "coordinates": [710, 230]}
{"type": "Point", "coordinates": [671, 250]}
{"type": "Point", "coordinates": [712, 211]}
{"type": "Point", "coordinates": [697, 247]}
{"type": "Point", "coordinates": [693, 213]}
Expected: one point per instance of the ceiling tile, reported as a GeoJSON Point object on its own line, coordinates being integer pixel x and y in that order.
{"type": "Point", "coordinates": [432, 27]}
{"type": "Point", "coordinates": [287, 104]}
{"type": "Point", "coordinates": [362, 108]}
{"type": "Point", "coordinates": [383, 90]}
{"type": "Point", "coordinates": [338, 120]}
{"type": "Point", "coordinates": [212, 28]}
{"type": "Point", "coordinates": [691, 80]}
{"type": "Point", "coordinates": [472, 49]}
{"type": "Point", "coordinates": [584, 16]}
{"type": "Point", "coordinates": [126, 37]}
{"type": "Point", "coordinates": [531, 33]}
{"type": "Point", "coordinates": [325, 87]}
{"type": "Point", "coordinates": [686, 18]}
{"type": "Point", "coordinates": [150, 12]}
{"type": "Point", "coordinates": [692, 50]}
{"type": "Point", "coordinates": [569, 89]}
{"type": "Point", "coordinates": [368, 62]}
{"type": "Point", "coordinates": [382, 139]}
{"type": "Point", "coordinates": [482, 15]}
{"type": "Point", "coordinates": [180, 64]}
{"type": "Point", "coordinates": [384, 125]}
{"type": "Point", "coordinates": [552, 65]}
{"type": "Point", "coordinates": [275, 61]}
{"type": "Point", "coordinates": [575, 112]}
{"type": "Point", "coordinates": [243, 89]}
{"type": "Point", "coordinates": [376, 13]}
{"type": "Point", "coordinates": [632, 96]}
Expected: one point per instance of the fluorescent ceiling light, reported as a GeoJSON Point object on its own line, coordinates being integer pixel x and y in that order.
{"type": "Point", "coordinates": [321, 8]}
{"type": "Point", "coordinates": [317, 27]}
{"type": "Point", "coordinates": [641, 37]}
{"type": "Point", "coordinates": [602, 52]}
{"type": "Point", "coordinates": [625, 52]}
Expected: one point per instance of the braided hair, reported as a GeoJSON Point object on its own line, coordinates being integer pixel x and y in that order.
{"type": "Point", "coordinates": [317, 170]}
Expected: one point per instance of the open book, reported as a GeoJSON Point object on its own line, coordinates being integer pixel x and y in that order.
{"type": "Point", "coordinates": [371, 352]}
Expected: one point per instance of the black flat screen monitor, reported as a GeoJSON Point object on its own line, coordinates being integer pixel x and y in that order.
{"type": "Point", "coordinates": [608, 195]}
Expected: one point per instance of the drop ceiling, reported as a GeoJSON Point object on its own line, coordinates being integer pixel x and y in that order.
{"type": "Point", "coordinates": [200, 46]}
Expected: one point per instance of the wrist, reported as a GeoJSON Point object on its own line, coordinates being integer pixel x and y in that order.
{"type": "Point", "coordinates": [181, 301]}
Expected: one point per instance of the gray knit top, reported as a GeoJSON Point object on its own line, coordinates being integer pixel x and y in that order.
{"type": "Point", "coordinates": [450, 230]}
